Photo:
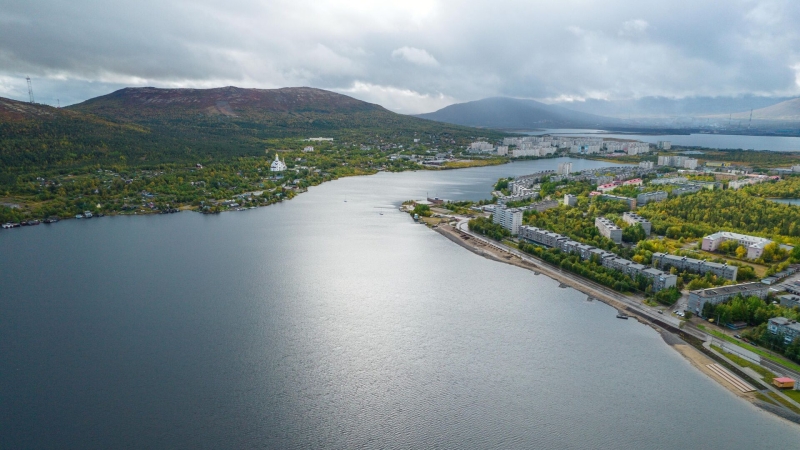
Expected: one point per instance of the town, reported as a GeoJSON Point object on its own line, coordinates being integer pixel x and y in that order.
{"type": "Point", "coordinates": [625, 228]}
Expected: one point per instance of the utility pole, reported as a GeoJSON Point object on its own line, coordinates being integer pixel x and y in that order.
{"type": "Point", "coordinates": [30, 89]}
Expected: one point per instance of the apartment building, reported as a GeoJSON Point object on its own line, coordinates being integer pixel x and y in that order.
{"type": "Point", "coordinates": [648, 197]}
{"type": "Point", "coordinates": [608, 229]}
{"type": "Point", "coordinates": [663, 261]}
{"type": "Point", "coordinates": [754, 244]}
{"type": "Point", "coordinates": [633, 219]}
{"type": "Point", "coordinates": [508, 218]}
{"type": "Point", "coordinates": [697, 299]}
{"type": "Point", "coordinates": [660, 279]}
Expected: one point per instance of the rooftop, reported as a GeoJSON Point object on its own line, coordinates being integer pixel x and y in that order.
{"type": "Point", "coordinates": [726, 290]}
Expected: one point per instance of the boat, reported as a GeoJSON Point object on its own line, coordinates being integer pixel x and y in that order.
{"type": "Point", "coordinates": [87, 214]}
{"type": "Point", "coordinates": [622, 316]}
{"type": "Point", "coordinates": [79, 216]}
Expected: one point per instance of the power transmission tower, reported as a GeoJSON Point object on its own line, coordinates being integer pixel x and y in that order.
{"type": "Point", "coordinates": [30, 89]}
{"type": "Point", "coordinates": [751, 119]}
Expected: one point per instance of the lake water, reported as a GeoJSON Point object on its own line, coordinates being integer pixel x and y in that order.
{"type": "Point", "coordinates": [723, 141]}
{"type": "Point", "coordinates": [788, 201]}
{"type": "Point", "coordinates": [320, 323]}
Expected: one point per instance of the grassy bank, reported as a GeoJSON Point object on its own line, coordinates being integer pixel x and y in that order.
{"type": "Point", "coordinates": [788, 364]}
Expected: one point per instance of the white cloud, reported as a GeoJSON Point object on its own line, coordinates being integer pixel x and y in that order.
{"type": "Point", "coordinates": [416, 56]}
{"type": "Point", "coordinates": [634, 27]}
{"type": "Point", "coordinates": [438, 50]}
{"type": "Point", "coordinates": [401, 100]}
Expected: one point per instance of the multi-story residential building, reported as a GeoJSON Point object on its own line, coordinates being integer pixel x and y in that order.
{"type": "Point", "coordinates": [570, 200]}
{"type": "Point", "coordinates": [585, 149]}
{"type": "Point", "coordinates": [630, 201]}
{"type": "Point", "coordinates": [480, 147]}
{"type": "Point", "coordinates": [541, 206]}
{"type": "Point", "coordinates": [677, 161]}
{"type": "Point", "coordinates": [790, 329]}
{"type": "Point", "coordinates": [608, 229]}
{"type": "Point", "coordinates": [686, 189]}
{"type": "Point", "coordinates": [508, 218]}
{"type": "Point", "coordinates": [663, 261]}
{"type": "Point", "coordinates": [659, 279]}
{"type": "Point", "coordinates": [664, 145]}
{"type": "Point", "coordinates": [646, 165]}
{"type": "Point", "coordinates": [607, 187]}
{"type": "Point", "coordinates": [789, 300]}
{"type": "Point", "coordinates": [502, 150]}
{"type": "Point", "coordinates": [697, 299]}
{"type": "Point", "coordinates": [647, 197]}
{"type": "Point", "coordinates": [564, 168]}
{"type": "Point", "coordinates": [633, 219]}
{"type": "Point", "coordinates": [671, 180]}
{"type": "Point", "coordinates": [754, 244]}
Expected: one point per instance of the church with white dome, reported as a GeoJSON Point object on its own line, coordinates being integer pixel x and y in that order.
{"type": "Point", "coordinates": [277, 165]}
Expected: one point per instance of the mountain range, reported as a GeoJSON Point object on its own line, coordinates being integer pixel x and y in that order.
{"type": "Point", "coordinates": [150, 124]}
{"type": "Point", "coordinates": [650, 113]}
{"type": "Point", "coordinates": [516, 114]}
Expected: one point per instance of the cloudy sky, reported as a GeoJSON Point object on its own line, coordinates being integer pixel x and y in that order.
{"type": "Point", "coordinates": [411, 55]}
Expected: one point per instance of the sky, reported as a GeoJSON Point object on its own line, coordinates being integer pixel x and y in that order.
{"type": "Point", "coordinates": [411, 56]}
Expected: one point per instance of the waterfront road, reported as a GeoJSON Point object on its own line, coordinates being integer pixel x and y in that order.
{"type": "Point", "coordinates": [634, 303]}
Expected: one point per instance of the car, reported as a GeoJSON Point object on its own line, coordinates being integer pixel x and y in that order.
{"type": "Point", "coordinates": [660, 311]}
{"type": "Point", "coordinates": [737, 336]}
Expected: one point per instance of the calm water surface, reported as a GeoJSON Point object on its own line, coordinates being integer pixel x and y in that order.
{"type": "Point", "coordinates": [724, 141]}
{"type": "Point", "coordinates": [320, 323]}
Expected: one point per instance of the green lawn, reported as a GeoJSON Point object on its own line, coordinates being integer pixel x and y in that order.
{"type": "Point", "coordinates": [784, 402]}
{"type": "Point", "coordinates": [792, 394]}
{"type": "Point", "coordinates": [756, 350]}
{"type": "Point", "coordinates": [765, 374]}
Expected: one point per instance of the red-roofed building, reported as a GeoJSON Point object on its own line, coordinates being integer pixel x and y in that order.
{"type": "Point", "coordinates": [783, 383]}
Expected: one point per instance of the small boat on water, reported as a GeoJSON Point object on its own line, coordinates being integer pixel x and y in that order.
{"type": "Point", "coordinates": [79, 216]}
{"type": "Point", "coordinates": [622, 316]}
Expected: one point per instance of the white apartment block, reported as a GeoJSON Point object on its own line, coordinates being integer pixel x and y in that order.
{"type": "Point", "coordinates": [502, 150]}
{"type": "Point", "coordinates": [754, 244]}
{"type": "Point", "coordinates": [508, 218]}
{"type": "Point", "coordinates": [608, 229]}
{"type": "Point", "coordinates": [480, 147]}
{"type": "Point", "coordinates": [647, 165]}
{"type": "Point", "coordinates": [564, 168]}
{"type": "Point", "coordinates": [664, 145]}
{"type": "Point", "coordinates": [570, 200]}
{"type": "Point", "coordinates": [308, 149]}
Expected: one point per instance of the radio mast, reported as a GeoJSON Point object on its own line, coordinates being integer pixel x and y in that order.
{"type": "Point", "coordinates": [30, 89]}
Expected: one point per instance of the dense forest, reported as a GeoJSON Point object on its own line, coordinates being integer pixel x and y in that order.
{"type": "Point", "coordinates": [706, 212]}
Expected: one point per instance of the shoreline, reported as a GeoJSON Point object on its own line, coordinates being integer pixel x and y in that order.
{"type": "Point", "coordinates": [688, 345]}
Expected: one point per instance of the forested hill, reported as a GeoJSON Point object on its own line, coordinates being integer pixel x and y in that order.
{"type": "Point", "coordinates": [150, 125]}
{"type": "Point", "coordinates": [257, 113]}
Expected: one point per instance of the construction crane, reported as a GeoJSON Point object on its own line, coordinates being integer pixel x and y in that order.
{"type": "Point", "coordinates": [751, 119]}
{"type": "Point", "coordinates": [30, 89]}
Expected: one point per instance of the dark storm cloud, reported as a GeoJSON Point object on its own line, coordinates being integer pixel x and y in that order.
{"type": "Point", "coordinates": [410, 55]}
